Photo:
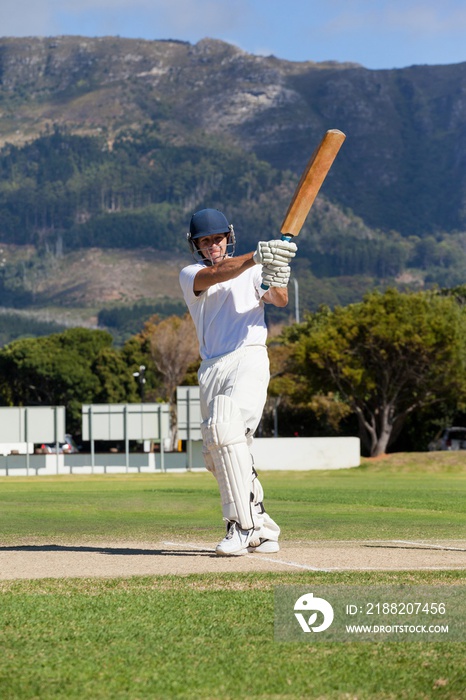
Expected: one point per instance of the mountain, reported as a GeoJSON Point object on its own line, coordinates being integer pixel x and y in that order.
{"type": "Point", "coordinates": [112, 142]}
{"type": "Point", "coordinates": [406, 127]}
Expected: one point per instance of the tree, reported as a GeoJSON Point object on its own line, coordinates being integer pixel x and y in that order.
{"type": "Point", "coordinates": [386, 356]}
{"type": "Point", "coordinates": [173, 347]}
{"type": "Point", "coordinates": [301, 411]}
{"type": "Point", "coordinates": [70, 368]}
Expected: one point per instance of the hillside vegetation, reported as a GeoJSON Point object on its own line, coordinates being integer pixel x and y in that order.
{"type": "Point", "coordinates": [112, 143]}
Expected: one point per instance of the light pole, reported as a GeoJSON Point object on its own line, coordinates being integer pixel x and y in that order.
{"type": "Point", "coordinates": [296, 299]}
{"type": "Point", "coordinates": [142, 380]}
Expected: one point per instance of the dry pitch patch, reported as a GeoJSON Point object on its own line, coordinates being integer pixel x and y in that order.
{"type": "Point", "coordinates": [135, 558]}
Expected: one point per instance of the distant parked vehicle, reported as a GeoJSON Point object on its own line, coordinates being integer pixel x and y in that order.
{"type": "Point", "coordinates": [67, 447]}
{"type": "Point", "coordinates": [449, 439]}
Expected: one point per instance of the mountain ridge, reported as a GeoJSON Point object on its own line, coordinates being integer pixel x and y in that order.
{"type": "Point", "coordinates": [111, 141]}
{"type": "Point", "coordinates": [400, 123]}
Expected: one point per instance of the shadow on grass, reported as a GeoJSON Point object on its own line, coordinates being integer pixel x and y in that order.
{"type": "Point", "coordinates": [110, 550]}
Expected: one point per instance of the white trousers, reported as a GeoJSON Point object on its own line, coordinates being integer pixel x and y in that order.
{"type": "Point", "coordinates": [243, 376]}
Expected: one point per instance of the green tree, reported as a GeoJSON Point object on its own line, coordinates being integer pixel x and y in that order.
{"type": "Point", "coordinates": [387, 356]}
{"type": "Point", "coordinates": [70, 368]}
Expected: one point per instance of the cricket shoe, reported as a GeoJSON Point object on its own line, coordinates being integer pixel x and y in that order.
{"type": "Point", "coordinates": [236, 542]}
{"type": "Point", "coordinates": [263, 546]}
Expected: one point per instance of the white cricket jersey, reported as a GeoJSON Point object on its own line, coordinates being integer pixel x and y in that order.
{"type": "Point", "coordinates": [228, 315]}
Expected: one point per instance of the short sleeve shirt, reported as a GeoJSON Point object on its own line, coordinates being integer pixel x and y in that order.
{"type": "Point", "coordinates": [227, 315]}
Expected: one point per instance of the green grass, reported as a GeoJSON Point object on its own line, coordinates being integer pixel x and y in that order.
{"type": "Point", "coordinates": [200, 637]}
{"type": "Point", "coordinates": [380, 500]}
{"type": "Point", "coordinates": [211, 636]}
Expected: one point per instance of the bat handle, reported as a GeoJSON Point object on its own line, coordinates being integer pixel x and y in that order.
{"type": "Point", "coordinates": [283, 238]}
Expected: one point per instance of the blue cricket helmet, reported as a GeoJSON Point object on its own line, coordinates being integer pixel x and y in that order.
{"type": "Point", "coordinates": [209, 222]}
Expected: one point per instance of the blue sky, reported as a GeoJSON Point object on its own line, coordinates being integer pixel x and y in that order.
{"type": "Point", "coordinates": [374, 33]}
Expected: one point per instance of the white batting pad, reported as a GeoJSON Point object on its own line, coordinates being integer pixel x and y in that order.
{"type": "Point", "coordinates": [208, 461]}
{"type": "Point", "coordinates": [224, 434]}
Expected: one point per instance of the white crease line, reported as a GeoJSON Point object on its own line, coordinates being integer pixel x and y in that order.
{"type": "Point", "coordinates": [254, 556]}
{"type": "Point", "coordinates": [429, 546]}
{"type": "Point", "coordinates": [288, 563]}
{"type": "Point", "coordinates": [332, 568]}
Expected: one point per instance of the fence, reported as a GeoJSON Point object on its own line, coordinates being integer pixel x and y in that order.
{"type": "Point", "coordinates": [132, 421]}
{"type": "Point", "coordinates": [26, 425]}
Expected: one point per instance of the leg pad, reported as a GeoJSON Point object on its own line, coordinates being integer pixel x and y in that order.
{"type": "Point", "coordinates": [224, 435]}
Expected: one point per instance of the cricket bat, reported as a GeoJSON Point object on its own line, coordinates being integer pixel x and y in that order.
{"type": "Point", "coordinates": [310, 183]}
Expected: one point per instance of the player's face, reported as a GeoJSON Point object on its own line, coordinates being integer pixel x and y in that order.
{"type": "Point", "coordinates": [213, 248]}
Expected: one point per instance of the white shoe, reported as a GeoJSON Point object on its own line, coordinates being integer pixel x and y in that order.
{"type": "Point", "coordinates": [263, 546]}
{"type": "Point", "coordinates": [235, 543]}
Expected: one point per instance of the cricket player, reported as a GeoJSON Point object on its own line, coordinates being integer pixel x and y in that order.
{"type": "Point", "coordinates": [225, 296]}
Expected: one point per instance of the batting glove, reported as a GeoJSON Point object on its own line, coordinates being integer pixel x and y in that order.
{"type": "Point", "coordinates": [274, 253]}
{"type": "Point", "coordinates": [283, 252]}
{"type": "Point", "coordinates": [263, 254]}
{"type": "Point", "coordinates": [275, 276]}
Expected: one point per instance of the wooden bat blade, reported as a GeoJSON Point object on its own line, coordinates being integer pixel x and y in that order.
{"type": "Point", "coordinates": [311, 180]}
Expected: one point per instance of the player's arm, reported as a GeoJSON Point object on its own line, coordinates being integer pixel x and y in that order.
{"type": "Point", "coordinates": [278, 296]}
{"type": "Point", "coordinates": [272, 253]}
{"type": "Point", "coordinates": [225, 270]}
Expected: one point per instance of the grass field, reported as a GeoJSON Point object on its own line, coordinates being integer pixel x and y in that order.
{"type": "Point", "coordinates": [211, 636]}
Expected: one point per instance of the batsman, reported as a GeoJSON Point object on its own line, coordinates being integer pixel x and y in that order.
{"type": "Point", "coordinates": [225, 296]}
